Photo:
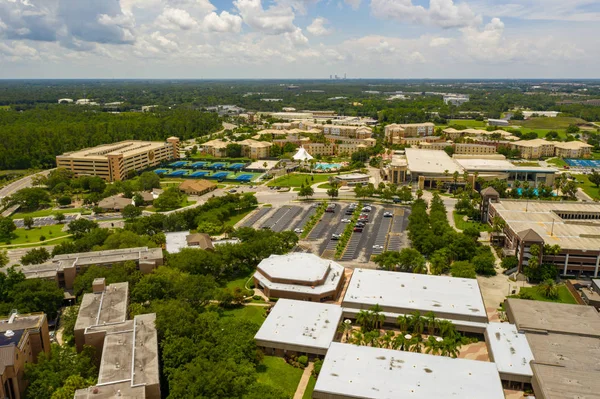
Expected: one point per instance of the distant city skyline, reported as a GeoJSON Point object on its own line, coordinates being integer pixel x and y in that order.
{"type": "Point", "coordinates": [294, 39]}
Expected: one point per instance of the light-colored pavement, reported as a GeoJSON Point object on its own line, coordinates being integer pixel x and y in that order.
{"type": "Point", "coordinates": [582, 196]}
{"type": "Point", "coordinates": [304, 381]}
{"type": "Point", "coordinates": [25, 182]}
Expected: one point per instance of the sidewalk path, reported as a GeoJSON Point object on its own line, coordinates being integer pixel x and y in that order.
{"type": "Point", "coordinates": [304, 381]}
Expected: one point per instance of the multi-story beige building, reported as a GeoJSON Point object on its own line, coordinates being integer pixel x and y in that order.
{"type": "Point", "coordinates": [322, 149]}
{"type": "Point", "coordinates": [572, 149]}
{"type": "Point", "coordinates": [128, 349]}
{"type": "Point", "coordinates": [410, 141]}
{"type": "Point", "coordinates": [250, 148]}
{"type": "Point", "coordinates": [474, 149]}
{"type": "Point", "coordinates": [534, 149]}
{"type": "Point", "coordinates": [358, 132]}
{"type": "Point", "coordinates": [24, 337]}
{"type": "Point", "coordinates": [395, 132]}
{"type": "Point", "coordinates": [113, 162]}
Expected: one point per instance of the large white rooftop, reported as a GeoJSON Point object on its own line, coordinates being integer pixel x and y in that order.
{"type": "Point", "coordinates": [431, 162]}
{"type": "Point", "coordinates": [301, 324]}
{"type": "Point", "coordinates": [367, 372]}
{"type": "Point", "coordinates": [404, 292]}
{"type": "Point", "coordinates": [295, 266]}
{"type": "Point", "coordinates": [176, 241]}
{"type": "Point", "coordinates": [510, 349]}
{"type": "Point", "coordinates": [498, 165]}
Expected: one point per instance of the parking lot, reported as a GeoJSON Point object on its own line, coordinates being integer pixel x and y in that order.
{"type": "Point", "coordinates": [44, 221]}
{"type": "Point", "coordinates": [379, 234]}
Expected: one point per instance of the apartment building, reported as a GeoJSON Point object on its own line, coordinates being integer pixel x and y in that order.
{"type": "Point", "coordinates": [254, 149]}
{"type": "Point", "coordinates": [394, 133]}
{"type": "Point", "coordinates": [358, 132]}
{"type": "Point", "coordinates": [572, 149]}
{"type": "Point", "coordinates": [22, 339]}
{"type": "Point", "coordinates": [410, 141]}
{"type": "Point", "coordinates": [534, 149]}
{"type": "Point", "coordinates": [114, 162]}
{"type": "Point", "coordinates": [474, 149]}
{"type": "Point", "coordinates": [64, 268]}
{"type": "Point", "coordinates": [128, 349]}
{"type": "Point", "coordinates": [322, 149]}
{"type": "Point", "coordinates": [250, 148]}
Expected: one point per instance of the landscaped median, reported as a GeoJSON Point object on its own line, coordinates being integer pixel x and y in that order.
{"type": "Point", "coordinates": [343, 241]}
{"type": "Point", "coordinates": [314, 219]}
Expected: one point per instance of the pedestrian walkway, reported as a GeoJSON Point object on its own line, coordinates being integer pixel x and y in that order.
{"type": "Point", "coordinates": [304, 381]}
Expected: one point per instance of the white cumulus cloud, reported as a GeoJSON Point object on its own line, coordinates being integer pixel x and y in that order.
{"type": "Point", "coordinates": [318, 28]}
{"type": "Point", "coordinates": [275, 20]}
{"type": "Point", "coordinates": [176, 18]}
{"type": "Point", "coordinates": [225, 22]}
{"type": "Point", "coordinates": [442, 13]}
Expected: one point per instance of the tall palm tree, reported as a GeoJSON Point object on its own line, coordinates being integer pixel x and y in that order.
{"type": "Point", "coordinates": [418, 323]}
{"type": "Point", "coordinates": [446, 328]}
{"type": "Point", "coordinates": [345, 328]}
{"type": "Point", "coordinates": [431, 322]}
{"type": "Point", "coordinates": [387, 340]}
{"type": "Point", "coordinates": [432, 346]}
{"type": "Point", "coordinates": [357, 338]}
{"type": "Point", "coordinates": [549, 289]}
{"type": "Point", "coordinates": [363, 318]}
{"type": "Point", "coordinates": [403, 323]}
{"type": "Point", "coordinates": [416, 343]}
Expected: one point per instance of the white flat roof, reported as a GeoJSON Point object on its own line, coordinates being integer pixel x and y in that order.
{"type": "Point", "coordinates": [301, 323]}
{"type": "Point", "coordinates": [510, 349]}
{"type": "Point", "coordinates": [367, 372]}
{"type": "Point", "coordinates": [438, 294]}
{"type": "Point", "coordinates": [329, 285]}
{"type": "Point", "coordinates": [295, 266]}
{"type": "Point", "coordinates": [431, 161]}
{"type": "Point", "coordinates": [499, 165]}
{"type": "Point", "coordinates": [176, 241]}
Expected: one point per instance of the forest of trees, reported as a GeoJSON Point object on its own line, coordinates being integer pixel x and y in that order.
{"type": "Point", "coordinates": [33, 138]}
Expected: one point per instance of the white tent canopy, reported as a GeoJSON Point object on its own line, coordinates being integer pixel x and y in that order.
{"type": "Point", "coordinates": [302, 155]}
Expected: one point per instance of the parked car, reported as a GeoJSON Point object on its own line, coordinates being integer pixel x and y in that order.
{"type": "Point", "coordinates": [299, 231]}
{"type": "Point", "coordinates": [358, 229]}
{"type": "Point", "coordinates": [377, 246]}
{"type": "Point", "coordinates": [335, 236]}
{"type": "Point", "coordinates": [345, 220]}
{"type": "Point", "coordinates": [388, 214]}
{"type": "Point", "coordinates": [233, 190]}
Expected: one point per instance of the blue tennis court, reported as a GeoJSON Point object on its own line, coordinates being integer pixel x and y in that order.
{"type": "Point", "coordinates": [236, 166]}
{"type": "Point", "coordinates": [244, 177]}
{"type": "Point", "coordinates": [177, 173]}
{"type": "Point", "coordinates": [197, 165]}
{"type": "Point", "coordinates": [218, 165]}
{"type": "Point", "coordinates": [583, 163]}
{"type": "Point", "coordinates": [219, 176]}
{"type": "Point", "coordinates": [160, 171]}
{"type": "Point", "coordinates": [198, 174]}
{"type": "Point", "coordinates": [178, 164]}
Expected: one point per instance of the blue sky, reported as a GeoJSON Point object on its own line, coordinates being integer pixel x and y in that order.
{"type": "Point", "coordinates": [299, 38]}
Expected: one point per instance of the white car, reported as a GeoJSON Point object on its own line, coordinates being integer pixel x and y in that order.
{"type": "Point", "coordinates": [299, 231]}
{"type": "Point", "coordinates": [335, 236]}
{"type": "Point", "coordinates": [377, 246]}
{"type": "Point", "coordinates": [387, 214]}
{"type": "Point", "coordinates": [346, 220]}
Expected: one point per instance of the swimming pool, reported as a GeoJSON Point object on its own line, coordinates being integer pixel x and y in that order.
{"type": "Point", "coordinates": [535, 192]}
{"type": "Point", "coordinates": [327, 166]}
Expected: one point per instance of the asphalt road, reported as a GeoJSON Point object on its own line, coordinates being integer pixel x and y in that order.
{"type": "Point", "coordinates": [25, 182]}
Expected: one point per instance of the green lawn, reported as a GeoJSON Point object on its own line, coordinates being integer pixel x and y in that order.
{"type": "Point", "coordinates": [254, 313]}
{"type": "Point", "coordinates": [326, 186]}
{"type": "Point", "coordinates": [587, 186]}
{"type": "Point", "coordinates": [310, 388]}
{"type": "Point", "coordinates": [561, 122]}
{"type": "Point", "coordinates": [564, 296]}
{"type": "Point", "coordinates": [463, 224]}
{"type": "Point", "coordinates": [274, 371]}
{"type": "Point", "coordinates": [236, 218]}
{"type": "Point", "coordinates": [183, 204]}
{"type": "Point", "coordinates": [297, 179]}
{"type": "Point", "coordinates": [559, 162]}
{"type": "Point", "coordinates": [469, 123]}
{"type": "Point", "coordinates": [48, 212]}
{"type": "Point", "coordinates": [23, 236]}
{"type": "Point", "coordinates": [240, 282]}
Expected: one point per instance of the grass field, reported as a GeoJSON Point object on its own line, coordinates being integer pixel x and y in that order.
{"type": "Point", "coordinates": [587, 186]}
{"type": "Point", "coordinates": [254, 313]}
{"type": "Point", "coordinates": [297, 179]}
{"type": "Point", "coordinates": [274, 371]}
{"type": "Point", "coordinates": [310, 388]}
{"type": "Point", "coordinates": [183, 204]}
{"type": "Point", "coordinates": [240, 282]}
{"type": "Point", "coordinates": [326, 186]}
{"type": "Point", "coordinates": [559, 162]}
{"type": "Point", "coordinates": [463, 224]}
{"type": "Point", "coordinates": [560, 122]}
{"type": "Point", "coordinates": [470, 123]}
{"type": "Point", "coordinates": [236, 218]}
{"type": "Point", "coordinates": [23, 236]}
{"type": "Point", "coordinates": [49, 212]}
{"type": "Point", "coordinates": [564, 296]}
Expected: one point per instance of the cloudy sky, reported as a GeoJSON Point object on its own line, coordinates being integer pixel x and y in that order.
{"type": "Point", "coordinates": [299, 38]}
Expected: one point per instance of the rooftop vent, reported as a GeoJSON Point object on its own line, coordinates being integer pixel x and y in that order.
{"type": "Point", "coordinates": [9, 333]}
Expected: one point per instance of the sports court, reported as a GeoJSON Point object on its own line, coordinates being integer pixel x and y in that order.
{"type": "Point", "coordinates": [583, 163]}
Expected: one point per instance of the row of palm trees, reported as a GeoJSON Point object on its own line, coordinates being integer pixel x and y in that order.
{"type": "Point", "coordinates": [410, 338]}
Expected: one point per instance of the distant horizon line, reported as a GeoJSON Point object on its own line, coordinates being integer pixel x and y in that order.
{"type": "Point", "coordinates": [310, 79]}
